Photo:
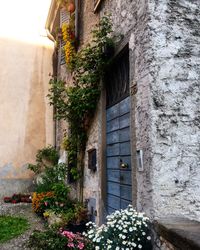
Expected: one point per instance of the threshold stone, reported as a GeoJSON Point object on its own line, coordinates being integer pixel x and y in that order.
{"type": "Point", "coordinates": [183, 233]}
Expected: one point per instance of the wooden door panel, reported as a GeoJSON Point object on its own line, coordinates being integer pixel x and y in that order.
{"type": "Point", "coordinates": [124, 203]}
{"type": "Point", "coordinates": [111, 210]}
{"type": "Point", "coordinates": [115, 201]}
{"type": "Point", "coordinates": [113, 125]}
{"type": "Point", "coordinates": [112, 112]}
{"type": "Point", "coordinates": [113, 162]}
{"type": "Point", "coordinates": [124, 121]}
{"type": "Point", "coordinates": [124, 135]}
{"type": "Point", "coordinates": [126, 192]}
{"type": "Point", "coordinates": [113, 188]}
{"type": "Point", "coordinates": [113, 137]}
{"type": "Point", "coordinates": [124, 106]}
{"type": "Point", "coordinates": [125, 148]}
{"type": "Point", "coordinates": [113, 149]}
{"type": "Point", "coordinates": [113, 175]}
{"type": "Point", "coordinates": [125, 177]}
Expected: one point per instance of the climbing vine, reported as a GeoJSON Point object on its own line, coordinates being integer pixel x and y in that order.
{"type": "Point", "coordinates": [77, 103]}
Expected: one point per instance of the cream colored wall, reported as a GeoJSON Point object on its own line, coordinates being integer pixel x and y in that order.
{"type": "Point", "coordinates": [26, 119]}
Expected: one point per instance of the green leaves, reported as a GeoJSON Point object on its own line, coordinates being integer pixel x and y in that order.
{"type": "Point", "coordinates": [77, 103]}
{"type": "Point", "coordinates": [44, 157]}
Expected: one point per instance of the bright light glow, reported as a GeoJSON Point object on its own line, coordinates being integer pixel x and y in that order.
{"type": "Point", "coordinates": [24, 20]}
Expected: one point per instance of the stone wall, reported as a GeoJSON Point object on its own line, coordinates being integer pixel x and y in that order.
{"type": "Point", "coordinates": [164, 47]}
{"type": "Point", "coordinates": [92, 186]}
{"type": "Point", "coordinates": [175, 113]}
{"type": "Point", "coordinates": [87, 21]}
{"type": "Point", "coordinates": [162, 244]}
{"type": "Point", "coordinates": [163, 38]}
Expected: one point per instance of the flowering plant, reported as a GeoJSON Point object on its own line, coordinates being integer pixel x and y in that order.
{"type": "Point", "coordinates": [37, 200]}
{"type": "Point", "coordinates": [69, 39]}
{"type": "Point", "coordinates": [125, 229]}
{"type": "Point", "coordinates": [74, 241]}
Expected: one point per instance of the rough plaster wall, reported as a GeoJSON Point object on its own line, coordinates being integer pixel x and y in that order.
{"type": "Point", "coordinates": [175, 90]}
{"type": "Point", "coordinates": [164, 63]}
{"type": "Point", "coordinates": [130, 19]}
{"type": "Point", "coordinates": [26, 119]}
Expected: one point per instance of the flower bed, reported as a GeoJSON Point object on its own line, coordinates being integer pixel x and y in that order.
{"type": "Point", "coordinates": [16, 198]}
{"type": "Point", "coordinates": [125, 229]}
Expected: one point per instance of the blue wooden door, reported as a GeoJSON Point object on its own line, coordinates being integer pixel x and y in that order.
{"type": "Point", "coordinates": [118, 156]}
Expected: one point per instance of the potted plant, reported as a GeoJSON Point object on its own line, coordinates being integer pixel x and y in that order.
{"type": "Point", "coordinates": [71, 7]}
{"type": "Point", "coordinates": [16, 198]}
{"type": "Point", "coordinates": [26, 198]}
{"type": "Point", "coordinates": [7, 199]}
{"type": "Point", "coordinates": [78, 223]}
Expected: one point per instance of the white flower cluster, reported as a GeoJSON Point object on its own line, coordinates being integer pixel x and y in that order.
{"type": "Point", "coordinates": [124, 230]}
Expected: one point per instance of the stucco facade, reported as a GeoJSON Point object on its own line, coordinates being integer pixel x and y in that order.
{"type": "Point", "coordinates": [26, 118]}
{"type": "Point", "coordinates": [163, 40]}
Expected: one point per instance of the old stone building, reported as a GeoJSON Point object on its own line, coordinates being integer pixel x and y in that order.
{"type": "Point", "coordinates": [148, 117]}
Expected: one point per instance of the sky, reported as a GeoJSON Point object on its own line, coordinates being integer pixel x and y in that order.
{"type": "Point", "coordinates": [24, 20]}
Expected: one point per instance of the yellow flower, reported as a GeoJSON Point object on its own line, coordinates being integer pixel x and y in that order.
{"type": "Point", "coordinates": [37, 200]}
{"type": "Point", "coordinates": [46, 214]}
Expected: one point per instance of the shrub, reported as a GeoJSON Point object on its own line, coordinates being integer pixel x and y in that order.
{"type": "Point", "coordinates": [51, 176]}
{"type": "Point", "coordinates": [48, 239]}
{"type": "Point", "coordinates": [57, 240]}
{"type": "Point", "coordinates": [125, 229]}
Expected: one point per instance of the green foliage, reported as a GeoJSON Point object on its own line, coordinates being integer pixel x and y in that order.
{"type": "Point", "coordinates": [60, 201]}
{"type": "Point", "coordinates": [77, 103]}
{"type": "Point", "coordinates": [50, 170]}
{"type": "Point", "coordinates": [61, 191]}
{"type": "Point", "coordinates": [44, 157]}
{"type": "Point", "coordinates": [80, 213]}
{"type": "Point", "coordinates": [11, 227]}
{"type": "Point", "coordinates": [49, 239]}
{"type": "Point", "coordinates": [50, 176]}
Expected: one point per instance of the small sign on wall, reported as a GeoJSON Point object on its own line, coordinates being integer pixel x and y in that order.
{"type": "Point", "coordinates": [92, 159]}
{"type": "Point", "coordinates": [97, 4]}
{"type": "Point", "coordinates": [140, 165]}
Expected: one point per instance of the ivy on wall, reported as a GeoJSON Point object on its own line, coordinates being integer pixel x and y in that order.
{"type": "Point", "coordinates": [77, 103]}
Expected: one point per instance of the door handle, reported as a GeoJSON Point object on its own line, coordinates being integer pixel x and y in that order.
{"type": "Point", "coordinates": [123, 165]}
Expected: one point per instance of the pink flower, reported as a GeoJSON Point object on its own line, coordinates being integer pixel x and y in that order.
{"type": "Point", "coordinates": [46, 203]}
{"type": "Point", "coordinates": [80, 245]}
{"type": "Point", "coordinates": [69, 235]}
{"type": "Point", "coordinates": [70, 244]}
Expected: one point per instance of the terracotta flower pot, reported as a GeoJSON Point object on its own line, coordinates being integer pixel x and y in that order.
{"type": "Point", "coordinates": [71, 7]}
